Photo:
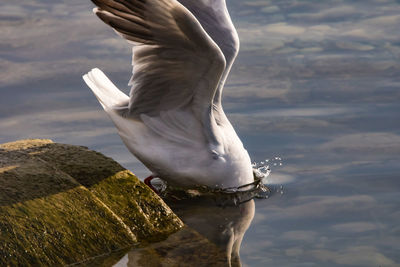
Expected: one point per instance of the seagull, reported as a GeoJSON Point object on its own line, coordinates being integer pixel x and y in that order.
{"type": "Point", "coordinates": [173, 120]}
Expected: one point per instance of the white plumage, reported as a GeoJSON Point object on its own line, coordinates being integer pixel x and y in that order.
{"type": "Point", "coordinates": [173, 119]}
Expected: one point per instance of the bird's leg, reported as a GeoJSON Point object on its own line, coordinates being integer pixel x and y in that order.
{"type": "Point", "coordinates": [147, 181]}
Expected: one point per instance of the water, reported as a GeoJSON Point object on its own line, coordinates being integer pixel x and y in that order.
{"type": "Point", "coordinates": [316, 83]}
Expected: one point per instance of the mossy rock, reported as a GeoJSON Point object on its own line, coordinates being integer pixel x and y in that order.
{"type": "Point", "coordinates": [62, 204]}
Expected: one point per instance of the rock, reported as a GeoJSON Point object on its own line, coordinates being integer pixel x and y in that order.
{"type": "Point", "coordinates": [62, 204]}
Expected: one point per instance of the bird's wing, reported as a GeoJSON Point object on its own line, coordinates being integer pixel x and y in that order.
{"type": "Point", "coordinates": [175, 62]}
{"type": "Point", "coordinates": [214, 17]}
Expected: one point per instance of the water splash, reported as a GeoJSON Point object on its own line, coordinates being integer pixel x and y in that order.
{"type": "Point", "coordinates": [262, 169]}
{"type": "Point", "coordinates": [259, 189]}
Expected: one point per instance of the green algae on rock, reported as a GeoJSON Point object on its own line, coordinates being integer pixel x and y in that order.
{"type": "Point", "coordinates": [61, 204]}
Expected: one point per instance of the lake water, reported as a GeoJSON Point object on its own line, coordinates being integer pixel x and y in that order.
{"type": "Point", "coordinates": [316, 83]}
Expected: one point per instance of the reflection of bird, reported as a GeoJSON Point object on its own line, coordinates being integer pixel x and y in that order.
{"type": "Point", "coordinates": [223, 226]}
{"type": "Point", "coordinates": [212, 237]}
{"type": "Point", "coordinates": [173, 120]}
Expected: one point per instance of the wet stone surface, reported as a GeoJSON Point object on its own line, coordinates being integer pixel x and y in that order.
{"type": "Point", "coordinates": [62, 204]}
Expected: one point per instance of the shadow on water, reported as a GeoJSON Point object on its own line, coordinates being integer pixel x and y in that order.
{"type": "Point", "coordinates": [212, 236]}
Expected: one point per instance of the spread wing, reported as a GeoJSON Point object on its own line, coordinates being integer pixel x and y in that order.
{"type": "Point", "coordinates": [176, 65]}
{"type": "Point", "coordinates": [175, 62]}
{"type": "Point", "coordinates": [214, 17]}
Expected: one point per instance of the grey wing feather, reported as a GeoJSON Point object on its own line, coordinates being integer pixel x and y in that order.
{"type": "Point", "coordinates": [172, 55]}
{"type": "Point", "coordinates": [175, 62]}
{"type": "Point", "coordinates": [214, 17]}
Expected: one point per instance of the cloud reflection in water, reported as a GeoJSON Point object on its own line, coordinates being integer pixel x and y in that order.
{"type": "Point", "coordinates": [316, 83]}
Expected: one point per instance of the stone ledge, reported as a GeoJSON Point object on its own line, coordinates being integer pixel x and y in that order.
{"type": "Point", "coordinates": [61, 204]}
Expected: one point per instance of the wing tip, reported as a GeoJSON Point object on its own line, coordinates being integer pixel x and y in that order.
{"type": "Point", "coordinates": [94, 70]}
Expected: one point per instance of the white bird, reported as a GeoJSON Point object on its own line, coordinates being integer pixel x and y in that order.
{"type": "Point", "coordinates": [173, 120]}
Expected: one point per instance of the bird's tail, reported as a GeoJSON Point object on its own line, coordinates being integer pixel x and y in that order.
{"type": "Point", "coordinates": [105, 91]}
